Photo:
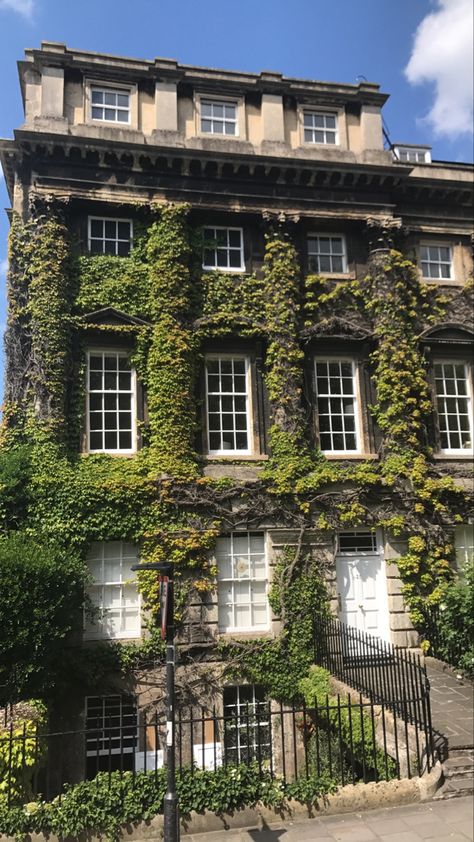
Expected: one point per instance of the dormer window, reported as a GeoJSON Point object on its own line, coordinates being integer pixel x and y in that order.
{"type": "Point", "coordinates": [219, 117]}
{"type": "Point", "coordinates": [111, 105]}
{"type": "Point", "coordinates": [412, 154]}
{"type": "Point", "coordinates": [320, 127]}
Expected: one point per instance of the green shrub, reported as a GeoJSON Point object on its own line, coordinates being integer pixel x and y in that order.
{"type": "Point", "coordinates": [15, 474]}
{"type": "Point", "coordinates": [109, 802]}
{"type": "Point", "coordinates": [43, 588]}
{"type": "Point", "coordinates": [456, 623]}
{"type": "Point", "coordinates": [356, 730]}
{"type": "Point", "coordinates": [21, 752]}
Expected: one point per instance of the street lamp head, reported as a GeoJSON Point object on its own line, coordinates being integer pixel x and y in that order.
{"type": "Point", "coordinates": [163, 567]}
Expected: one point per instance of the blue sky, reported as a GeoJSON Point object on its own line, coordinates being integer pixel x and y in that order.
{"type": "Point", "coordinates": [420, 51]}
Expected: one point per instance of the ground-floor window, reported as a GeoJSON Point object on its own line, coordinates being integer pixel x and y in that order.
{"type": "Point", "coordinates": [111, 733]}
{"type": "Point", "coordinates": [247, 728]}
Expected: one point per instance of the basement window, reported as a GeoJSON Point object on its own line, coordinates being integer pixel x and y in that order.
{"type": "Point", "coordinates": [247, 727]}
{"type": "Point", "coordinates": [111, 733]}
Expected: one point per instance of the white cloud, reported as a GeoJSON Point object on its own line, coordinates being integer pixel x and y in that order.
{"type": "Point", "coordinates": [3, 267]}
{"type": "Point", "coordinates": [23, 7]}
{"type": "Point", "coordinates": [443, 55]}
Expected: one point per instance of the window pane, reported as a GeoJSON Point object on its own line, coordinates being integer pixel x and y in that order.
{"type": "Point", "coordinates": [234, 239]}
{"type": "Point", "coordinates": [97, 227]}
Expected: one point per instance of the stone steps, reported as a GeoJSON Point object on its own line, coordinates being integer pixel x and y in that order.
{"type": "Point", "coordinates": [458, 772]}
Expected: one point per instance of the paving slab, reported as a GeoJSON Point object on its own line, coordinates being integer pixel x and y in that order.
{"type": "Point", "coordinates": [452, 701]}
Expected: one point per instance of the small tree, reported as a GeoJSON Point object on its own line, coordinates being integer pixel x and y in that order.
{"type": "Point", "coordinates": [42, 592]}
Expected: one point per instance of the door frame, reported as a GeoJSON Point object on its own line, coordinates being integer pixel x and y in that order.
{"type": "Point", "coordinates": [378, 552]}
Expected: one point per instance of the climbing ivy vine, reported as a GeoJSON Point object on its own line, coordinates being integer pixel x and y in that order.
{"type": "Point", "coordinates": [160, 497]}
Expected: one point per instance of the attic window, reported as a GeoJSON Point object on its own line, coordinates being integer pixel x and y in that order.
{"type": "Point", "coordinates": [218, 117]}
{"type": "Point", "coordinates": [320, 127]}
{"type": "Point", "coordinates": [111, 105]}
{"type": "Point", "coordinates": [412, 154]}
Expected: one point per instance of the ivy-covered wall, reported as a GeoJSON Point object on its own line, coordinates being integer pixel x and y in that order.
{"type": "Point", "coordinates": [160, 498]}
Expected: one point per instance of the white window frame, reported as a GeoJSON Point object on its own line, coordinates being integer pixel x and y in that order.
{"type": "Point", "coordinates": [95, 630]}
{"type": "Point", "coordinates": [356, 398]}
{"type": "Point", "coordinates": [106, 750]}
{"type": "Point", "coordinates": [463, 538]}
{"type": "Point", "coordinates": [116, 240]}
{"type": "Point", "coordinates": [238, 720]}
{"type": "Point", "coordinates": [377, 543]}
{"type": "Point", "coordinates": [328, 236]}
{"type": "Point", "coordinates": [108, 86]}
{"type": "Point", "coordinates": [225, 120]}
{"type": "Point", "coordinates": [321, 112]}
{"type": "Point", "coordinates": [225, 582]}
{"type": "Point", "coordinates": [437, 245]}
{"type": "Point", "coordinates": [248, 404]}
{"type": "Point", "coordinates": [224, 269]}
{"type": "Point", "coordinates": [118, 90]}
{"type": "Point", "coordinates": [421, 155]}
{"type": "Point", "coordinates": [133, 403]}
{"type": "Point", "coordinates": [456, 451]}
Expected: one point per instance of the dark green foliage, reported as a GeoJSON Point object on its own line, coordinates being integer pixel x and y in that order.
{"type": "Point", "coordinates": [42, 588]}
{"type": "Point", "coordinates": [15, 475]}
{"type": "Point", "coordinates": [107, 281]}
{"type": "Point", "coordinates": [356, 729]}
{"type": "Point", "coordinates": [107, 803]}
{"type": "Point", "coordinates": [455, 622]}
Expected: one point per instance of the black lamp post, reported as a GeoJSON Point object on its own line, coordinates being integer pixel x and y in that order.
{"type": "Point", "coordinates": [171, 807]}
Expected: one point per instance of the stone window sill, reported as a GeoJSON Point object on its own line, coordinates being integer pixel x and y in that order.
{"type": "Point", "coordinates": [235, 458]}
{"type": "Point", "coordinates": [453, 457]}
{"type": "Point", "coordinates": [352, 457]}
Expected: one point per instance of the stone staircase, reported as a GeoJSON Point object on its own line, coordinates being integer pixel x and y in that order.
{"type": "Point", "coordinates": [458, 772]}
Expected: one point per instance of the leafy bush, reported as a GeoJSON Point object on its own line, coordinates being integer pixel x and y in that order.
{"type": "Point", "coordinates": [109, 802]}
{"type": "Point", "coordinates": [20, 750]}
{"type": "Point", "coordinates": [15, 471]}
{"type": "Point", "coordinates": [456, 623]}
{"type": "Point", "coordinates": [356, 731]}
{"type": "Point", "coordinates": [43, 587]}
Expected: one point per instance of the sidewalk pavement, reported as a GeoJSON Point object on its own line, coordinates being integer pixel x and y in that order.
{"type": "Point", "coordinates": [432, 821]}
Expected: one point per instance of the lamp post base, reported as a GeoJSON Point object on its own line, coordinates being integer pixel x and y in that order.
{"type": "Point", "coordinates": [171, 818]}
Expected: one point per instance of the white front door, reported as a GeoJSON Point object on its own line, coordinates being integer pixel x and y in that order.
{"type": "Point", "coordinates": [362, 583]}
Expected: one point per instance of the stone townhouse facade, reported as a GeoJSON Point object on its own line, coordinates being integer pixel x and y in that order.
{"type": "Point", "coordinates": [108, 142]}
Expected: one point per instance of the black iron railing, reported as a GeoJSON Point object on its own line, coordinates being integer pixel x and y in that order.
{"type": "Point", "coordinates": [344, 739]}
{"type": "Point", "coordinates": [383, 673]}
